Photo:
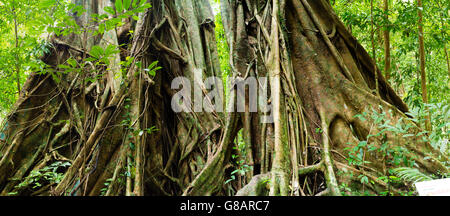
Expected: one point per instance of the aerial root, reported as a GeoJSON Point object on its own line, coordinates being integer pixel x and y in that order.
{"type": "Point", "coordinates": [326, 155]}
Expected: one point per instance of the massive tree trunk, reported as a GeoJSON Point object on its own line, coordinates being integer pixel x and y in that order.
{"type": "Point", "coordinates": [98, 126]}
{"type": "Point", "coordinates": [320, 77]}
{"type": "Point", "coordinates": [326, 79]}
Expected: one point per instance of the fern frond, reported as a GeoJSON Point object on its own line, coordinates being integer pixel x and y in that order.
{"type": "Point", "coordinates": [412, 175]}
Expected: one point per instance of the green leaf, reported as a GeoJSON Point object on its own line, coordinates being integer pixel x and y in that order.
{"type": "Point", "coordinates": [411, 174]}
{"type": "Point", "coordinates": [64, 66]}
{"type": "Point", "coordinates": [72, 62]}
{"type": "Point", "coordinates": [126, 4]}
{"type": "Point", "coordinates": [101, 28]}
{"type": "Point", "coordinates": [119, 6]}
{"type": "Point", "coordinates": [90, 59]}
{"type": "Point", "coordinates": [362, 143]}
{"type": "Point", "coordinates": [110, 50]}
{"type": "Point", "coordinates": [364, 179]}
{"type": "Point", "coordinates": [96, 51]}
{"type": "Point", "coordinates": [109, 10]}
{"type": "Point", "coordinates": [147, 5]}
{"type": "Point", "coordinates": [151, 70]}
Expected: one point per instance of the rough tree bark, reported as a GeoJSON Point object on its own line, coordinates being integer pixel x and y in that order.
{"type": "Point", "coordinates": [326, 79]}
{"type": "Point", "coordinates": [319, 77]}
{"type": "Point", "coordinates": [82, 122]}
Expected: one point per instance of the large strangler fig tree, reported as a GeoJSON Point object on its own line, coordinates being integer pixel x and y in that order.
{"type": "Point", "coordinates": [101, 118]}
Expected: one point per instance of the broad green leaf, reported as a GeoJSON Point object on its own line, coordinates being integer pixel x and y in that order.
{"type": "Point", "coordinates": [119, 6]}
{"type": "Point", "coordinates": [126, 4]}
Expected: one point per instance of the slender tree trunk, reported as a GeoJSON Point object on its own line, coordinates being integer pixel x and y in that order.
{"type": "Point", "coordinates": [387, 43]}
{"type": "Point", "coordinates": [448, 60]}
{"type": "Point", "coordinates": [372, 38]}
{"type": "Point", "coordinates": [17, 49]}
{"type": "Point", "coordinates": [445, 41]}
{"type": "Point", "coordinates": [423, 76]}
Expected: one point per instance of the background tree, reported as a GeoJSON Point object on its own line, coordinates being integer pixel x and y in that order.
{"type": "Point", "coordinates": [423, 75]}
{"type": "Point", "coordinates": [387, 43]}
